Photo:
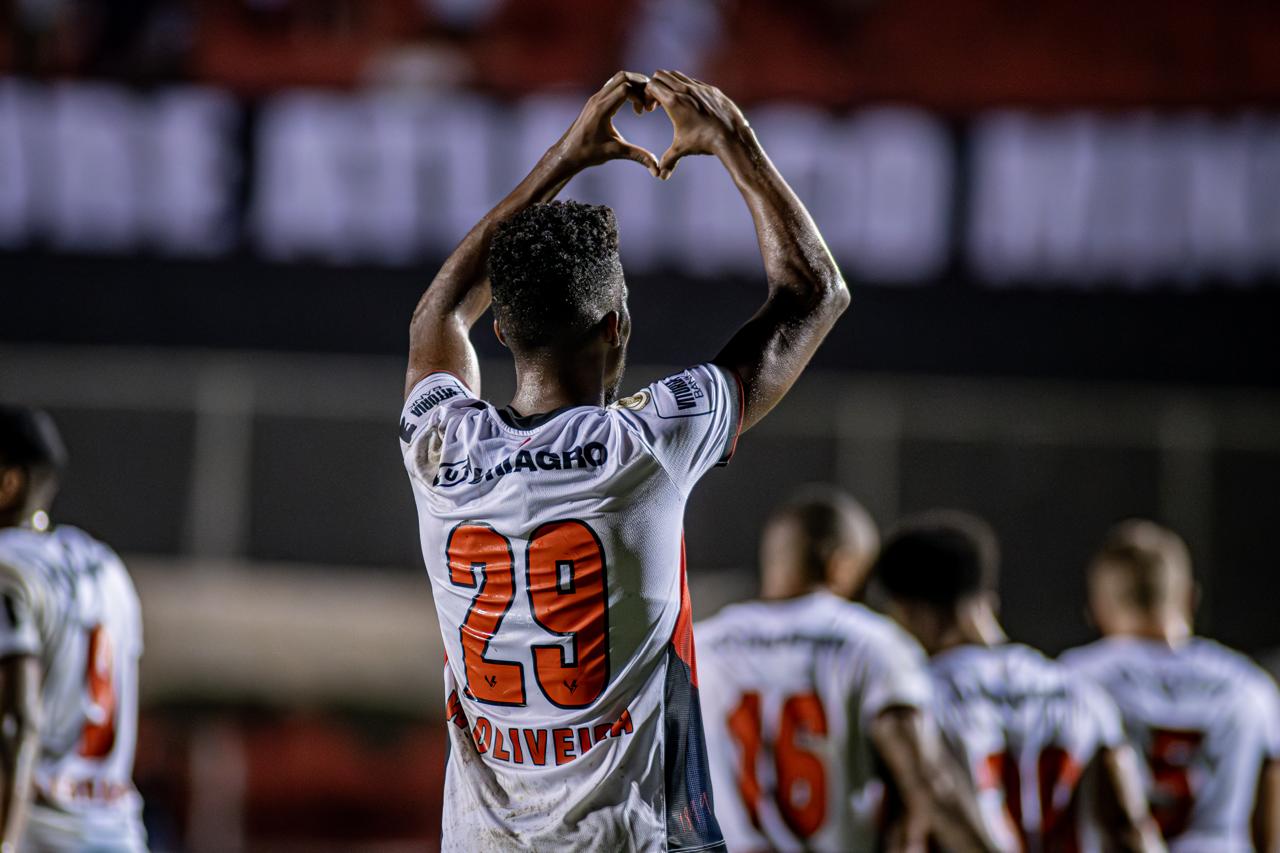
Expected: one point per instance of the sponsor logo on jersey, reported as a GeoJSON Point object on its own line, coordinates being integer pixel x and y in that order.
{"type": "Point", "coordinates": [424, 403]}
{"type": "Point", "coordinates": [685, 390]}
{"type": "Point", "coordinates": [431, 399]}
{"type": "Point", "coordinates": [635, 402]}
{"type": "Point", "coordinates": [465, 472]}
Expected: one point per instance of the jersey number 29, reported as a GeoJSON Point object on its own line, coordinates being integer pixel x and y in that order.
{"type": "Point", "coordinates": [564, 579]}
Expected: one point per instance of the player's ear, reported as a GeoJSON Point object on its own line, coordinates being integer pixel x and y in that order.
{"type": "Point", "coordinates": [612, 328]}
{"type": "Point", "coordinates": [13, 483]}
{"type": "Point", "coordinates": [497, 333]}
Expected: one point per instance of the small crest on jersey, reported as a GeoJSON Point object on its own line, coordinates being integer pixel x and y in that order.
{"type": "Point", "coordinates": [635, 402]}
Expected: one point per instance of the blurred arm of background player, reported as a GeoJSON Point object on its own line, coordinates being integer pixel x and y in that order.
{"type": "Point", "coordinates": [937, 801]}
{"type": "Point", "coordinates": [806, 291]}
{"type": "Point", "coordinates": [1266, 809]}
{"type": "Point", "coordinates": [19, 742]}
{"type": "Point", "coordinates": [1121, 805]}
{"type": "Point", "coordinates": [439, 334]}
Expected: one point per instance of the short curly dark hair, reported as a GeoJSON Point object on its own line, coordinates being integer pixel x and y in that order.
{"type": "Point", "coordinates": [555, 272]}
{"type": "Point", "coordinates": [939, 558]}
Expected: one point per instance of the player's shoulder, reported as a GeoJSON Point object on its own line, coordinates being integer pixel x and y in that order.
{"type": "Point", "coordinates": [52, 559]}
{"type": "Point", "coordinates": [692, 392]}
{"type": "Point", "coordinates": [437, 395]}
{"type": "Point", "coordinates": [1091, 658]}
{"type": "Point", "coordinates": [1226, 663]}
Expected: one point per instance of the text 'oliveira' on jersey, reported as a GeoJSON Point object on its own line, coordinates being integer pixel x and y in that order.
{"type": "Point", "coordinates": [463, 472]}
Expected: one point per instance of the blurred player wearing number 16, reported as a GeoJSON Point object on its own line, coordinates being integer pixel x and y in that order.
{"type": "Point", "coordinates": [551, 528]}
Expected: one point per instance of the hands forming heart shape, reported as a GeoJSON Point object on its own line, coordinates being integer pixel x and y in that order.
{"type": "Point", "coordinates": [704, 121]}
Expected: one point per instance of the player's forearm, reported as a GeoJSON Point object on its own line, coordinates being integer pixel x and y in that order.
{"type": "Point", "coordinates": [460, 289]}
{"type": "Point", "coordinates": [17, 764]}
{"type": "Point", "coordinates": [795, 255]}
{"type": "Point", "coordinates": [19, 742]}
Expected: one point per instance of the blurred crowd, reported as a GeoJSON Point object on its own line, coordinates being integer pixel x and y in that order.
{"type": "Point", "coordinates": [957, 57]}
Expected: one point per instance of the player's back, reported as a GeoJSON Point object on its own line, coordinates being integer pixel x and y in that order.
{"type": "Point", "coordinates": [70, 603]}
{"type": "Point", "coordinates": [554, 547]}
{"type": "Point", "coordinates": [1025, 733]}
{"type": "Point", "coordinates": [1205, 717]}
{"type": "Point", "coordinates": [789, 689]}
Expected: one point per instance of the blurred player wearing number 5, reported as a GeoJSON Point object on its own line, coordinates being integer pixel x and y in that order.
{"type": "Point", "coordinates": [1207, 719]}
{"type": "Point", "coordinates": [552, 528]}
{"type": "Point", "coordinates": [70, 637]}
{"type": "Point", "coordinates": [1045, 754]}
{"type": "Point", "coordinates": [806, 695]}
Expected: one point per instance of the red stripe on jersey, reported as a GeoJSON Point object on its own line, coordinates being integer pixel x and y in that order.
{"type": "Point", "coordinates": [682, 636]}
{"type": "Point", "coordinates": [742, 407]}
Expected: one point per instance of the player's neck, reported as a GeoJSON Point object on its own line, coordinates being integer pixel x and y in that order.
{"type": "Point", "coordinates": [544, 385]}
{"type": "Point", "coordinates": [972, 626]}
{"type": "Point", "coordinates": [1168, 629]}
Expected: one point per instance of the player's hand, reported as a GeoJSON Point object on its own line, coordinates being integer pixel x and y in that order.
{"type": "Point", "coordinates": [592, 139]}
{"type": "Point", "coordinates": [705, 121]}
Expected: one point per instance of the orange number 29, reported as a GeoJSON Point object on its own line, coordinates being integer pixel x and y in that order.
{"type": "Point", "coordinates": [568, 597]}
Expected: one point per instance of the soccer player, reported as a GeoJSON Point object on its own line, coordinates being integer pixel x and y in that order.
{"type": "Point", "coordinates": [551, 527]}
{"type": "Point", "coordinates": [1036, 742]}
{"type": "Point", "coordinates": [1206, 718]}
{"type": "Point", "coordinates": [70, 638]}
{"type": "Point", "coordinates": [806, 694]}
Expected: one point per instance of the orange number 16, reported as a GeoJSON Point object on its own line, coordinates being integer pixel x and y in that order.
{"type": "Point", "coordinates": [801, 775]}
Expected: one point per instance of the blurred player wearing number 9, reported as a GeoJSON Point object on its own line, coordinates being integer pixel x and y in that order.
{"type": "Point", "coordinates": [1206, 718]}
{"type": "Point", "coordinates": [1045, 753]}
{"type": "Point", "coordinates": [552, 528]}
{"type": "Point", "coordinates": [70, 637]}
{"type": "Point", "coordinates": [816, 707]}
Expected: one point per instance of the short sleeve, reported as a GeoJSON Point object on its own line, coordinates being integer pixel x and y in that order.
{"type": "Point", "coordinates": [18, 631]}
{"type": "Point", "coordinates": [690, 420]}
{"type": "Point", "coordinates": [427, 397]}
{"type": "Point", "coordinates": [1268, 706]}
{"type": "Point", "coordinates": [896, 676]}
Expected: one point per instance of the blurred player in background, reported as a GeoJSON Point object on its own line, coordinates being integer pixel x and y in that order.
{"type": "Point", "coordinates": [552, 527]}
{"type": "Point", "coordinates": [1036, 743]}
{"type": "Point", "coordinates": [1206, 718]}
{"type": "Point", "coordinates": [805, 693]}
{"type": "Point", "coordinates": [70, 638]}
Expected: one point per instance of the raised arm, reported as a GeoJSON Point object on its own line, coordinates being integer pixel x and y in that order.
{"type": "Point", "coordinates": [439, 334]}
{"type": "Point", "coordinates": [806, 292]}
{"type": "Point", "coordinates": [937, 800]}
{"type": "Point", "coordinates": [19, 742]}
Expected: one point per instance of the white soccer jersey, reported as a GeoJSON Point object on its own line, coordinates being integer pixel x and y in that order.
{"type": "Point", "coordinates": [1205, 718]}
{"type": "Point", "coordinates": [1026, 732]}
{"type": "Point", "coordinates": [789, 689]}
{"type": "Point", "coordinates": [556, 556]}
{"type": "Point", "coordinates": [68, 601]}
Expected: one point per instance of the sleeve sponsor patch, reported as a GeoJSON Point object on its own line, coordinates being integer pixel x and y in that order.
{"type": "Point", "coordinates": [681, 396]}
{"type": "Point", "coordinates": [427, 395]}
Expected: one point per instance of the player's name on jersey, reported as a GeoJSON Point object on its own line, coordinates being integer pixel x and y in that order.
{"type": "Point", "coordinates": [1173, 684]}
{"type": "Point", "coordinates": [1012, 698]}
{"type": "Point", "coordinates": [65, 789]}
{"type": "Point", "coordinates": [535, 747]}
{"type": "Point", "coordinates": [465, 472]}
{"type": "Point", "coordinates": [770, 640]}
